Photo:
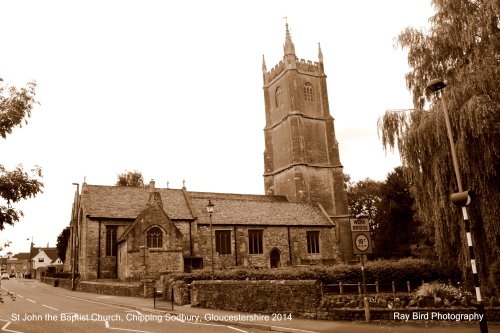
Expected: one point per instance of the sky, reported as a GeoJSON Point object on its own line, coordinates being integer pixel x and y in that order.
{"type": "Point", "coordinates": [174, 90]}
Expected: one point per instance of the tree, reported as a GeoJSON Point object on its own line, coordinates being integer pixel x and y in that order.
{"type": "Point", "coordinates": [362, 198]}
{"type": "Point", "coordinates": [62, 243]}
{"type": "Point", "coordinates": [397, 230]}
{"type": "Point", "coordinates": [462, 47]}
{"type": "Point", "coordinates": [130, 178]}
{"type": "Point", "coordinates": [16, 185]}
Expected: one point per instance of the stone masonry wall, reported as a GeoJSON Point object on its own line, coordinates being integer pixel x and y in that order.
{"type": "Point", "coordinates": [151, 261]}
{"type": "Point", "coordinates": [294, 297]}
{"type": "Point", "coordinates": [328, 248]}
{"type": "Point", "coordinates": [184, 227]}
{"type": "Point", "coordinates": [90, 249]}
{"type": "Point", "coordinates": [274, 237]}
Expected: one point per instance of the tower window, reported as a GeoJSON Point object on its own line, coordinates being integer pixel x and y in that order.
{"type": "Point", "coordinates": [308, 92]}
{"type": "Point", "coordinates": [255, 241]}
{"type": "Point", "coordinates": [278, 97]}
{"type": "Point", "coordinates": [111, 240]}
{"type": "Point", "coordinates": [312, 241]}
{"type": "Point", "coordinates": [154, 238]}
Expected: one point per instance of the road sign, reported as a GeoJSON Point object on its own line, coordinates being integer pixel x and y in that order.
{"type": "Point", "coordinates": [361, 239]}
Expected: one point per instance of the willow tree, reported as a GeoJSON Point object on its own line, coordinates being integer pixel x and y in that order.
{"type": "Point", "coordinates": [461, 46]}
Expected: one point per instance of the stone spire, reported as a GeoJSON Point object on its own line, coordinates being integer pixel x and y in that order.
{"type": "Point", "coordinates": [288, 48]}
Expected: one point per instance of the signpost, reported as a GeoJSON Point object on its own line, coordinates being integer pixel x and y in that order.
{"type": "Point", "coordinates": [362, 244]}
{"type": "Point", "coordinates": [361, 239]}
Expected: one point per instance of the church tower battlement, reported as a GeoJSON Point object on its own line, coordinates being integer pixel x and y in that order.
{"type": "Point", "coordinates": [301, 157]}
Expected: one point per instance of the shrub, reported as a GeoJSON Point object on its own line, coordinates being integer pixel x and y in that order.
{"type": "Point", "coordinates": [385, 271]}
{"type": "Point", "coordinates": [441, 290]}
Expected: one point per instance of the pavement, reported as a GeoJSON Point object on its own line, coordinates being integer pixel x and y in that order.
{"type": "Point", "coordinates": [281, 323]}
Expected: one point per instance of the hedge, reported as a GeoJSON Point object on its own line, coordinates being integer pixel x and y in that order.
{"type": "Point", "coordinates": [385, 271]}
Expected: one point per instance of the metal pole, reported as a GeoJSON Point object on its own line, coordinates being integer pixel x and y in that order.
{"type": "Point", "coordinates": [452, 145]}
{"type": "Point", "coordinates": [172, 297]}
{"type": "Point", "coordinates": [211, 246]}
{"type": "Point", "coordinates": [483, 324]}
{"type": "Point", "coordinates": [73, 257]}
{"type": "Point", "coordinates": [143, 248]}
{"type": "Point", "coordinates": [365, 299]}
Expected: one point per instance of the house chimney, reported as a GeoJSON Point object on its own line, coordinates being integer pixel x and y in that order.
{"type": "Point", "coordinates": [151, 185]}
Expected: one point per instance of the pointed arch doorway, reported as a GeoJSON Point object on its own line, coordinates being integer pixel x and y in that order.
{"type": "Point", "coordinates": [275, 258]}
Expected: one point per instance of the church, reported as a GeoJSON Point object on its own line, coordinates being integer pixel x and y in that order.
{"type": "Point", "coordinates": [128, 233]}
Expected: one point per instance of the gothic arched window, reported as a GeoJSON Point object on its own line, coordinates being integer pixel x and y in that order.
{"type": "Point", "coordinates": [308, 92]}
{"type": "Point", "coordinates": [278, 97]}
{"type": "Point", "coordinates": [154, 238]}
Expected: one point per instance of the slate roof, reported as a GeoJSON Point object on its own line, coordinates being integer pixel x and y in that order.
{"type": "Point", "coordinates": [22, 256]}
{"type": "Point", "coordinates": [256, 210]}
{"type": "Point", "coordinates": [128, 202]}
{"type": "Point", "coordinates": [232, 209]}
{"type": "Point", "coordinates": [51, 253]}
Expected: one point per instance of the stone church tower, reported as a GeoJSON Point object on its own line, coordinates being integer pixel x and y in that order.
{"type": "Point", "coordinates": [301, 158]}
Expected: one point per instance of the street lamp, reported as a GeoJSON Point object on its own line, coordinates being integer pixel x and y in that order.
{"type": "Point", "coordinates": [461, 199]}
{"type": "Point", "coordinates": [210, 210]}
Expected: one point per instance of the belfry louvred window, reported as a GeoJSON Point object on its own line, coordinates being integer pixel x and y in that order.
{"type": "Point", "coordinates": [278, 97]}
{"type": "Point", "coordinates": [308, 92]}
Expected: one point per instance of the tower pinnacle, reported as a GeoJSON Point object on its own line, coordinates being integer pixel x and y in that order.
{"type": "Point", "coordinates": [288, 48]}
{"type": "Point", "coordinates": [320, 54]}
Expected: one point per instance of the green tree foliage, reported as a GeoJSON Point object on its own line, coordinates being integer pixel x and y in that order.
{"type": "Point", "coordinates": [130, 178]}
{"type": "Point", "coordinates": [62, 243]}
{"type": "Point", "coordinates": [462, 46]}
{"type": "Point", "coordinates": [363, 197]}
{"type": "Point", "coordinates": [397, 230]}
{"type": "Point", "coordinates": [16, 185]}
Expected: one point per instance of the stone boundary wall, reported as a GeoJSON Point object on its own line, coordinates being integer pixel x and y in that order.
{"type": "Point", "coordinates": [298, 297]}
{"type": "Point", "coordinates": [64, 283]}
{"type": "Point", "coordinates": [181, 292]}
{"type": "Point", "coordinates": [110, 289]}
{"type": "Point", "coordinates": [303, 298]}
{"type": "Point", "coordinates": [107, 288]}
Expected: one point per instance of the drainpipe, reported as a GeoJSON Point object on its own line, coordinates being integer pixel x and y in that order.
{"type": "Point", "coordinates": [289, 246]}
{"type": "Point", "coordinates": [190, 239]}
{"type": "Point", "coordinates": [235, 247]}
{"type": "Point", "coordinates": [99, 253]}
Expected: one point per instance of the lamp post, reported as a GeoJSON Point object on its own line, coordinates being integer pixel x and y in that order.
{"type": "Point", "coordinates": [461, 199]}
{"type": "Point", "coordinates": [210, 210]}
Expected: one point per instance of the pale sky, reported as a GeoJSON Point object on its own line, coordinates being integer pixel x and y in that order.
{"type": "Point", "coordinates": [174, 90]}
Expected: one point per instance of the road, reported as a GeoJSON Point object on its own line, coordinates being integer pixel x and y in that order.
{"type": "Point", "coordinates": [31, 310]}
{"type": "Point", "coordinates": [37, 307]}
